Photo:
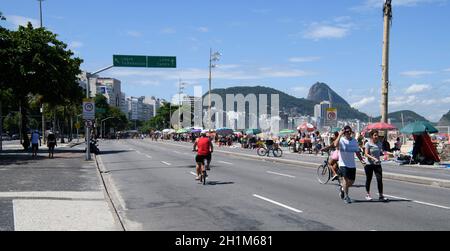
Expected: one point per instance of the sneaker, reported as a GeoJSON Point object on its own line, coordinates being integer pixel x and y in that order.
{"type": "Point", "coordinates": [208, 169]}
{"type": "Point", "coordinates": [368, 197]}
{"type": "Point", "coordinates": [382, 198]}
{"type": "Point", "coordinates": [335, 177]}
{"type": "Point", "coordinates": [341, 193]}
{"type": "Point", "coordinates": [197, 178]}
{"type": "Point", "coordinates": [348, 200]}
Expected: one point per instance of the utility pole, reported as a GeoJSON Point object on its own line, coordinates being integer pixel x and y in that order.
{"type": "Point", "coordinates": [387, 11]}
{"type": "Point", "coordinates": [209, 92]}
{"type": "Point", "coordinates": [42, 105]}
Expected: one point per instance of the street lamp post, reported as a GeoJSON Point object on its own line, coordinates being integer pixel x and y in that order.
{"type": "Point", "coordinates": [180, 103]}
{"type": "Point", "coordinates": [42, 105]}
{"type": "Point", "coordinates": [101, 125]}
{"type": "Point", "coordinates": [213, 57]}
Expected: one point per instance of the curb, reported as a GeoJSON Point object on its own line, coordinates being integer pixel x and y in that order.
{"type": "Point", "coordinates": [310, 165]}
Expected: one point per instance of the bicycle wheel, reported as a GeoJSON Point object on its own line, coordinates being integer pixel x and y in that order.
{"type": "Point", "coordinates": [278, 153]}
{"type": "Point", "coordinates": [323, 174]}
{"type": "Point", "coordinates": [262, 152]}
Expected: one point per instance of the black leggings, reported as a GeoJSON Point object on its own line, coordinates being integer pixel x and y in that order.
{"type": "Point", "coordinates": [370, 169]}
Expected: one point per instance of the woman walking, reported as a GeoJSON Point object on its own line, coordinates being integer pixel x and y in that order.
{"type": "Point", "coordinates": [373, 150]}
{"type": "Point", "coordinates": [51, 143]}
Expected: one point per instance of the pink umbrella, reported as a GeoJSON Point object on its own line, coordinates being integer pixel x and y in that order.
{"type": "Point", "coordinates": [306, 127]}
{"type": "Point", "coordinates": [381, 126]}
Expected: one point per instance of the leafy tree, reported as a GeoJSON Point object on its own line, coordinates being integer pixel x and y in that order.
{"type": "Point", "coordinates": [162, 118]}
{"type": "Point", "coordinates": [118, 121]}
{"type": "Point", "coordinates": [37, 63]}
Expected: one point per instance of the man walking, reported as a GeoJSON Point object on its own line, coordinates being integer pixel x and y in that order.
{"type": "Point", "coordinates": [35, 141]}
{"type": "Point", "coordinates": [347, 147]}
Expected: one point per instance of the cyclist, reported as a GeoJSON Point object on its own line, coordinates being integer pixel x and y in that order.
{"type": "Point", "coordinates": [334, 156]}
{"type": "Point", "coordinates": [204, 148]}
{"type": "Point", "coordinates": [347, 147]}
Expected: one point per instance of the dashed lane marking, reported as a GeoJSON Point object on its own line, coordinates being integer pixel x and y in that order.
{"type": "Point", "coordinates": [166, 163]}
{"type": "Point", "coordinates": [281, 174]}
{"type": "Point", "coordinates": [277, 203]}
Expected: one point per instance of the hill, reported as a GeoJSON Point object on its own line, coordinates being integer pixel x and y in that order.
{"type": "Point", "coordinates": [445, 120]}
{"type": "Point", "coordinates": [322, 92]}
{"type": "Point", "coordinates": [292, 105]}
{"type": "Point", "coordinates": [408, 117]}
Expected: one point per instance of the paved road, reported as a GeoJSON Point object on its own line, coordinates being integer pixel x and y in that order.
{"type": "Point", "coordinates": [153, 188]}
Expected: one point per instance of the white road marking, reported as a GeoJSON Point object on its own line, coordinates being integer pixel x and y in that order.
{"type": "Point", "coordinates": [280, 174]}
{"type": "Point", "coordinates": [138, 152]}
{"type": "Point", "coordinates": [148, 156]}
{"type": "Point", "coordinates": [224, 162]}
{"type": "Point", "coordinates": [193, 174]}
{"type": "Point", "coordinates": [167, 163]}
{"type": "Point", "coordinates": [131, 149]}
{"type": "Point", "coordinates": [278, 203]}
{"type": "Point", "coordinates": [177, 152]}
{"type": "Point", "coordinates": [418, 202]}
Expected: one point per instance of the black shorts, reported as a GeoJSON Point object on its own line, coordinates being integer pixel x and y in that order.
{"type": "Point", "coordinates": [209, 157]}
{"type": "Point", "coordinates": [35, 146]}
{"type": "Point", "coordinates": [200, 159]}
{"type": "Point", "coordinates": [349, 173]}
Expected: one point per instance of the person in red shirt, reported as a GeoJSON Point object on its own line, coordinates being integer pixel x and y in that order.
{"type": "Point", "coordinates": [204, 149]}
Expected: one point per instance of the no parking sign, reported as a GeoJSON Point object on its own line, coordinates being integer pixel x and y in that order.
{"type": "Point", "coordinates": [332, 114]}
{"type": "Point", "coordinates": [88, 110]}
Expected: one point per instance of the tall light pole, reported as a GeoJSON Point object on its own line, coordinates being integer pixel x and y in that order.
{"type": "Point", "coordinates": [387, 10]}
{"type": "Point", "coordinates": [42, 105]}
{"type": "Point", "coordinates": [213, 57]}
{"type": "Point", "coordinates": [101, 125]}
{"type": "Point", "coordinates": [181, 86]}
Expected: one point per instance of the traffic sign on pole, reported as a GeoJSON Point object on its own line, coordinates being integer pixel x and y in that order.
{"type": "Point", "coordinates": [89, 110]}
{"type": "Point", "coordinates": [144, 61]}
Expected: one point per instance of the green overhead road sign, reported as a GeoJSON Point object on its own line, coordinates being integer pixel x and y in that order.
{"type": "Point", "coordinates": [144, 61]}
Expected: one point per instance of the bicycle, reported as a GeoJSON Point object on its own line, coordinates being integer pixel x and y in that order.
{"type": "Point", "coordinates": [324, 172]}
{"type": "Point", "coordinates": [203, 174]}
{"type": "Point", "coordinates": [265, 151]}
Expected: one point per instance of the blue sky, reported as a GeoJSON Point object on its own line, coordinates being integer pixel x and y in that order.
{"type": "Point", "coordinates": [288, 45]}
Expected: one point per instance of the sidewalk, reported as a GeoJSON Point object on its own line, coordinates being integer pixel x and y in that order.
{"type": "Point", "coordinates": [60, 194]}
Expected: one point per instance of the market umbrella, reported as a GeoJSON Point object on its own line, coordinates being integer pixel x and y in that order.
{"type": "Point", "coordinates": [381, 126]}
{"type": "Point", "coordinates": [335, 129]}
{"type": "Point", "coordinates": [253, 131]}
{"type": "Point", "coordinates": [224, 131]}
{"type": "Point", "coordinates": [286, 132]}
{"type": "Point", "coordinates": [196, 131]}
{"type": "Point", "coordinates": [182, 131]}
{"type": "Point", "coordinates": [418, 128]}
{"type": "Point", "coordinates": [306, 127]}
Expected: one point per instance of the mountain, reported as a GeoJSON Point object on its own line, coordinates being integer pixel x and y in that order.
{"type": "Point", "coordinates": [322, 92]}
{"type": "Point", "coordinates": [445, 120]}
{"type": "Point", "coordinates": [408, 117]}
{"type": "Point", "coordinates": [292, 105]}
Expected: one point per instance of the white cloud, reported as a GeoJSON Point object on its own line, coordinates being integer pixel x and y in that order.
{"type": "Point", "coordinates": [303, 59]}
{"type": "Point", "coordinates": [169, 30]}
{"type": "Point", "coordinates": [447, 70]}
{"type": "Point", "coordinates": [441, 101]}
{"type": "Point", "coordinates": [203, 29]}
{"type": "Point", "coordinates": [363, 102]}
{"type": "Point", "coordinates": [446, 81]}
{"type": "Point", "coordinates": [22, 21]}
{"type": "Point", "coordinates": [319, 31]}
{"type": "Point", "coordinates": [403, 101]}
{"type": "Point", "coordinates": [229, 73]}
{"type": "Point", "coordinates": [135, 34]}
{"type": "Point", "coordinates": [75, 44]}
{"type": "Point", "coordinates": [415, 89]}
{"type": "Point", "coordinates": [145, 83]}
{"type": "Point", "coordinates": [415, 74]}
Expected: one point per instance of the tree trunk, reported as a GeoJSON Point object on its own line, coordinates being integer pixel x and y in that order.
{"type": "Point", "coordinates": [24, 125]}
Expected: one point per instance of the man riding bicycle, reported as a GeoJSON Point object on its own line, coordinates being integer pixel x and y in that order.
{"type": "Point", "coordinates": [204, 148]}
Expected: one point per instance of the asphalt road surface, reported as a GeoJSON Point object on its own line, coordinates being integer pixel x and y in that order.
{"type": "Point", "coordinates": [153, 187]}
